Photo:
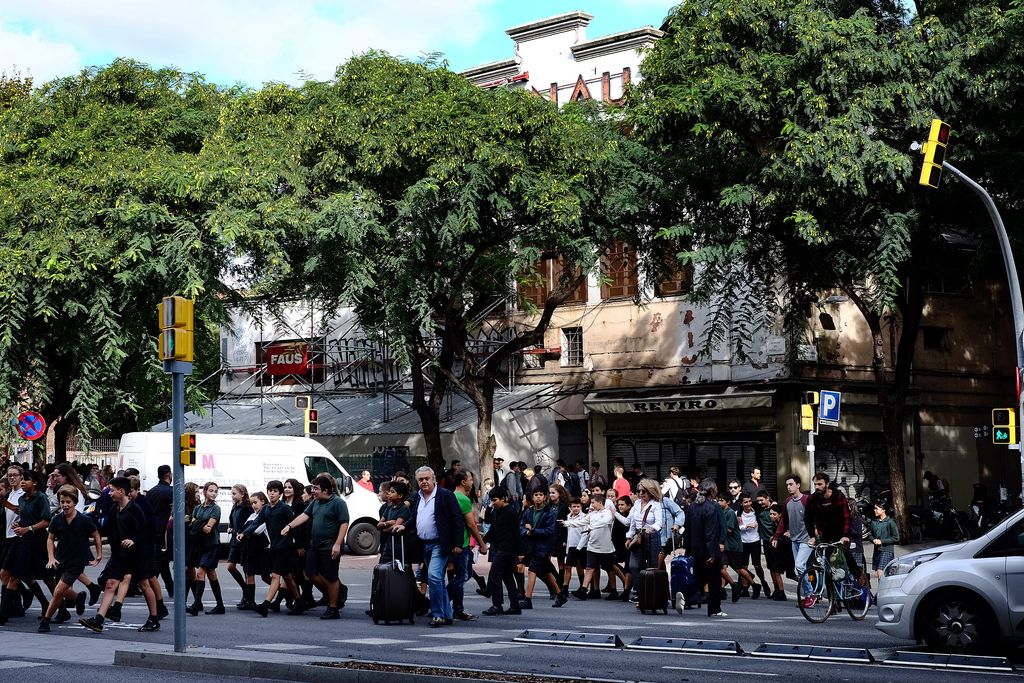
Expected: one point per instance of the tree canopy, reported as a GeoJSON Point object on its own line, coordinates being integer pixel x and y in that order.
{"type": "Point", "coordinates": [786, 127]}
{"type": "Point", "coordinates": [101, 215]}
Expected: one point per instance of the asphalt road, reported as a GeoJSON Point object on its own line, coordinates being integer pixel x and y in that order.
{"type": "Point", "coordinates": [487, 643]}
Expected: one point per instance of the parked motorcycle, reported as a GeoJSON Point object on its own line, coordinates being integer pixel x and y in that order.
{"type": "Point", "coordinates": [939, 520]}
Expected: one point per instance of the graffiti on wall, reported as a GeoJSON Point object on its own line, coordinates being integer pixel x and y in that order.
{"type": "Point", "coordinates": [856, 462]}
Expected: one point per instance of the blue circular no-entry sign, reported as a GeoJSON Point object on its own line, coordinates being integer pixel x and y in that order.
{"type": "Point", "coordinates": [31, 425]}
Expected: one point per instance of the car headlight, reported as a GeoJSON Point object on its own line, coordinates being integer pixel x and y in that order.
{"type": "Point", "coordinates": [905, 565]}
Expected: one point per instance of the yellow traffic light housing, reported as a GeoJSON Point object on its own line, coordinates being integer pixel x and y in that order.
{"type": "Point", "coordinates": [807, 403]}
{"type": "Point", "coordinates": [177, 326]}
{"type": "Point", "coordinates": [934, 151]}
{"type": "Point", "coordinates": [187, 449]}
{"type": "Point", "coordinates": [312, 422]}
{"type": "Point", "coordinates": [1004, 426]}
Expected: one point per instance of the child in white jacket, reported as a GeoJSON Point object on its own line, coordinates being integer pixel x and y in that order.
{"type": "Point", "coordinates": [600, 549]}
{"type": "Point", "coordinates": [575, 544]}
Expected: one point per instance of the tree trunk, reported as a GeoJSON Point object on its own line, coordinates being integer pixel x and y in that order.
{"type": "Point", "coordinates": [891, 404]}
{"type": "Point", "coordinates": [428, 411]}
{"type": "Point", "coordinates": [61, 429]}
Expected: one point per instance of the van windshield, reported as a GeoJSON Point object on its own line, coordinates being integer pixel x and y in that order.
{"type": "Point", "coordinates": [315, 464]}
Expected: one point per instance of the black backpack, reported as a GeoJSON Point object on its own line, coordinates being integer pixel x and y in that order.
{"type": "Point", "coordinates": [572, 484]}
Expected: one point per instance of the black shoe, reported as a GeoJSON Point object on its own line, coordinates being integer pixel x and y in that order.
{"type": "Point", "coordinates": [779, 596]}
{"type": "Point", "coordinates": [80, 604]}
{"type": "Point", "coordinates": [525, 603]}
{"type": "Point", "coordinates": [44, 626]}
{"type": "Point", "coordinates": [93, 624]}
{"type": "Point", "coordinates": [736, 592]}
{"type": "Point", "coordinates": [745, 593]}
{"type": "Point", "coordinates": [493, 611]}
{"type": "Point", "coordinates": [152, 624]}
{"type": "Point", "coordinates": [194, 609]}
{"type": "Point", "coordinates": [561, 599]}
{"type": "Point", "coordinates": [114, 613]}
{"type": "Point", "coordinates": [594, 593]}
{"type": "Point", "coordinates": [756, 591]}
{"type": "Point", "coordinates": [613, 595]}
{"type": "Point", "coordinates": [26, 600]}
{"type": "Point", "coordinates": [330, 613]}
{"type": "Point", "coordinates": [244, 605]}
{"type": "Point", "coordinates": [323, 602]}
{"type": "Point", "coordinates": [62, 616]}
{"type": "Point", "coordinates": [437, 622]}
{"type": "Point", "coordinates": [580, 594]}
{"type": "Point", "coordinates": [262, 609]}
{"type": "Point", "coordinates": [162, 612]}
{"type": "Point", "coordinates": [94, 593]}
{"type": "Point", "coordinates": [465, 616]}
{"type": "Point", "coordinates": [484, 592]}
{"type": "Point", "coordinates": [624, 595]}
{"type": "Point", "coordinates": [274, 606]}
{"type": "Point", "coordinates": [296, 609]}
{"type": "Point", "coordinates": [219, 609]}
{"type": "Point", "coordinates": [513, 610]}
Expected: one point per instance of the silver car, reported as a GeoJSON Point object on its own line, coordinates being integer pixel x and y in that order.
{"type": "Point", "coordinates": [958, 597]}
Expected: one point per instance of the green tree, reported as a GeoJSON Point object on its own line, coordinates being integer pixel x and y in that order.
{"type": "Point", "coordinates": [101, 214]}
{"type": "Point", "coordinates": [786, 127]}
{"type": "Point", "coordinates": [422, 199]}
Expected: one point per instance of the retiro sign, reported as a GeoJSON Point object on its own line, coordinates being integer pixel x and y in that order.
{"type": "Point", "coordinates": [677, 404]}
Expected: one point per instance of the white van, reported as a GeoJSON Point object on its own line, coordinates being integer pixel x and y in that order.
{"type": "Point", "coordinates": [230, 459]}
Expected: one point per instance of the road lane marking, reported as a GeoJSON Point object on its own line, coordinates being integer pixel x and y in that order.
{"type": "Point", "coordinates": [475, 649]}
{"type": "Point", "coordinates": [721, 671]}
{"type": "Point", "coordinates": [281, 647]}
{"type": "Point", "coordinates": [372, 641]}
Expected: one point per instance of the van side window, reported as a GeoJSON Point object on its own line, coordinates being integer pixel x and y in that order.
{"type": "Point", "coordinates": [1009, 544]}
{"type": "Point", "coordinates": [315, 464]}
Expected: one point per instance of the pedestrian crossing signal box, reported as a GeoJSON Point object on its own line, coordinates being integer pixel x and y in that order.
{"type": "Point", "coordinates": [809, 400]}
{"type": "Point", "coordinates": [312, 422]}
{"type": "Point", "coordinates": [1004, 426]}
{"type": "Point", "coordinates": [187, 449]}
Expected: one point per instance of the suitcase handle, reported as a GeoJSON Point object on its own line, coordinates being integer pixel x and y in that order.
{"type": "Point", "coordinates": [401, 545]}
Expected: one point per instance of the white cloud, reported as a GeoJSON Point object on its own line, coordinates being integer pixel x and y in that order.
{"type": "Point", "coordinates": [230, 40]}
{"type": "Point", "coordinates": [32, 55]}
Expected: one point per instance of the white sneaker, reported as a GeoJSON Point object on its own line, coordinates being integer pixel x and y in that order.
{"type": "Point", "coordinates": [719, 615]}
{"type": "Point", "coordinates": [680, 603]}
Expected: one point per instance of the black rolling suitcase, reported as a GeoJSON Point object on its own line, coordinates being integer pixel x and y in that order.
{"type": "Point", "coordinates": [653, 591]}
{"type": "Point", "coordinates": [393, 594]}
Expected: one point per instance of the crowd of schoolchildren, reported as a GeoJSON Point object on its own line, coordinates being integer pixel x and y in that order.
{"type": "Point", "coordinates": [614, 536]}
{"type": "Point", "coordinates": [291, 537]}
{"type": "Point", "coordinates": [740, 543]}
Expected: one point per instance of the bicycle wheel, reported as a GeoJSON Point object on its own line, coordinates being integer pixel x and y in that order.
{"type": "Point", "coordinates": [814, 594]}
{"type": "Point", "coordinates": [857, 600]}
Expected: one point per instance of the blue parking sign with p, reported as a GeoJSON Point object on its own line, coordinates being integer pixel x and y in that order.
{"type": "Point", "coordinates": [828, 407]}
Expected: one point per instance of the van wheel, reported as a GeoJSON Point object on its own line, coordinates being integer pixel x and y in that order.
{"type": "Point", "coordinates": [363, 539]}
{"type": "Point", "coordinates": [956, 622]}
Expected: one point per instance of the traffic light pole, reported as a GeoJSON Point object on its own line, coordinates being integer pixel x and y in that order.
{"type": "Point", "coordinates": [178, 370]}
{"type": "Point", "coordinates": [810, 458]}
{"type": "Point", "coordinates": [1015, 296]}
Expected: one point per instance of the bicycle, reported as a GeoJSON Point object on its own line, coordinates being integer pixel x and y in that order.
{"type": "Point", "coordinates": [830, 588]}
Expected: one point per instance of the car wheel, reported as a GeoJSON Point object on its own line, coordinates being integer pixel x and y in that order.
{"type": "Point", "coordinates": [956, 623]}
{"type": "Point", "coordinates": [363, 539]}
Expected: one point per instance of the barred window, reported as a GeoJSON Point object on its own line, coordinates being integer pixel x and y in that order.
{"type": "Point", "coordinates": [572, 347]}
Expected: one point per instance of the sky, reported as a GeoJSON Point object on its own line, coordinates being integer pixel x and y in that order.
{"type": "Point", "coordinates": [256, 41]}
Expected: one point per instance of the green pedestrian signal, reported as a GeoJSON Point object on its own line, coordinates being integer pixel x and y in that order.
{"type": "Point", "coordinates": [1004, 426]}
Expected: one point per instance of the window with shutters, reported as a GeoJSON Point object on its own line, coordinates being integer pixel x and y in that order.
{"type": "Point", "coordinates": [537, 286]}
{"type": "Point", "coordinates": [618, 268]}
{"type": "Point", "coordinates": [676, 278]}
